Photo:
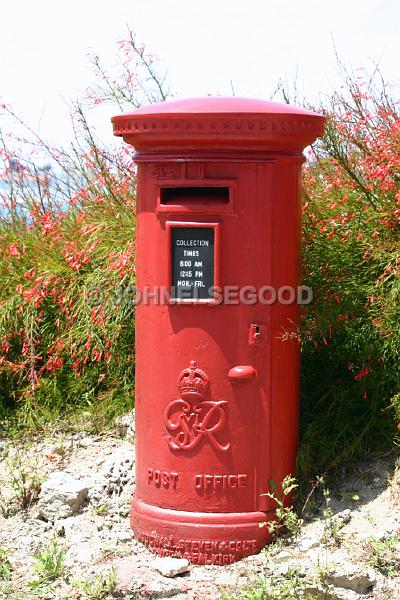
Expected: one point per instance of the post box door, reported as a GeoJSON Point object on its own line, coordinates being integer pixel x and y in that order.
{"type": "Point", "coordinates": [217, 434]}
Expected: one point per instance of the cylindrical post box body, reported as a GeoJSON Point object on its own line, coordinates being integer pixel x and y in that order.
{"type": "Point", "coordinates": [217, 343]}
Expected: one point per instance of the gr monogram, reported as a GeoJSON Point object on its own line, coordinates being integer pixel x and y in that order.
{"type": "Point", "coordinates": [191, 418]}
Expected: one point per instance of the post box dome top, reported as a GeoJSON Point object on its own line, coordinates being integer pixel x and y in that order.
{"type": "Point", "coordinates": [216, 105]}
{"type": "Point", "coordinates": [219, 122]}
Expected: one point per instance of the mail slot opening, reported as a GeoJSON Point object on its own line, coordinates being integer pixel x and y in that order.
{"type": "Point", "coordinates": [194, 195]}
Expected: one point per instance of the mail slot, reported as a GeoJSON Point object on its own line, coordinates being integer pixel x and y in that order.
{"type": "Point", "coordinates": [193, 195]}
{"type": "Point", "coordinates": [217, 345]}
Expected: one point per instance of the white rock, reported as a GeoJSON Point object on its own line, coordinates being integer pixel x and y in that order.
{"type": "Point", "coordinates": [125, 425]}
{"type": "Point", "coordinates": [354, 578]}
{"type": "Point", "coordinates": [85, 442]}
{"type": "Point", "coordinates": [61, 496]}
{"type": "Point", "coordinates": [337, 558]}
{"type": "Point", "coordinates": [82, 538]}
{"type": "Point", "coordinates": [283, 568]}
{"type": "Point", "coordinates": [163, 588]}
{"type": "Point", "coordinates": [389, 530]}
{"type": "Point", "coordinates": [337, 593]}
{"type": "Point", "coordinates": [307, 541]}
{"type": "Point", "coordinates": [342, 518]}
{"type": "Point", "coordinates": [141, 581]}
{"type": "Point", "coordinates": [123, 536]}
{"type": "Point", "coordinates": [284, 555]}
{"type": "Point", "coordinates": [114, 480]}
{"type": "Point", "coordinates": [342, 594]}
{"type": "Point", "coordinates": [170, 567]}
{"type": "Point", "coordinates": [84, 552]}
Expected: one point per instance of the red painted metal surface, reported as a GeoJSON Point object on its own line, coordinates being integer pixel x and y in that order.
{"type": "Point", "coordinates": [216, 383]}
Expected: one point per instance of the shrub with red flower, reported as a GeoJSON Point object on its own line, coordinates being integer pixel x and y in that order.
{"type": "Point", "coordinates": [351, 256]}
{"type": "Point", "coordinates": [67, 234]}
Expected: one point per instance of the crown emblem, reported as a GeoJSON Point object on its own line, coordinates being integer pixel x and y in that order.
{"type": "Point", "coordinates": [193, 383]}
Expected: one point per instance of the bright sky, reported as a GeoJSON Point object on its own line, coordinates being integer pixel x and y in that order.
{"type": "Point", "coordinates": [207, 46]}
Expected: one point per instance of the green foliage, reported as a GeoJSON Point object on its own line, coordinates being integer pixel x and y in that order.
{"type": "Point", "coordinates": [286, 516]}
{"type": "Point", "coordinates": [7, 592]}
{"type": "Point", "coordinates": [49, 565]}
{"type": "Point", "coordinates": [383, 555]}
{"type": "Point", "coordinates": [5, 565]}
{"type": "Point", "coordinates": [23, 479]}
{"type": "Point", "coordinates": [79, 339]}
{"type": "Point", "coordinates": [290, 586]}
{"type": "Point", "coordinates": [332, 526]}
{"type": "Point", "coordinates": [351, 252]}
{"type": "Point", "coordinates": [99, 587]}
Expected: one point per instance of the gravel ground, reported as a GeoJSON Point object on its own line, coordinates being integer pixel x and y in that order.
{"type": "Point", "coordinates": [86, 485]}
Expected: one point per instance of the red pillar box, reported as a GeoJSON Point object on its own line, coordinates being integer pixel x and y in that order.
{"type": "Point", "coordinates": [217, 349]}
